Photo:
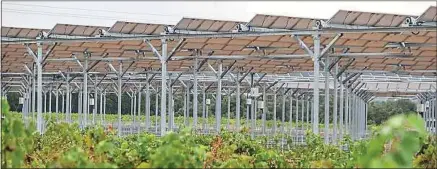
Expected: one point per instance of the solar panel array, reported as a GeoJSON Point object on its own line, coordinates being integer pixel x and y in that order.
{"type": "Point", "coordinates": [423, 58]}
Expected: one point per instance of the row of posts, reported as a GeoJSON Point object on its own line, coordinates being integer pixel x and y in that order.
{"type": "Point", "coordinates": [353, 109]}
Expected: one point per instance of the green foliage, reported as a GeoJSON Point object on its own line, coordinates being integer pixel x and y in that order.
{"type": "Point", "coordinates": [380, 111]}
{"type": "Point", "coordinates": [396, 143]}
{"type": "Point", "coordinates": [17, 141]}
{"type": "Point", "coordinates": [65, 146]}
{"type": "Point", "coordinates": [178, 150]}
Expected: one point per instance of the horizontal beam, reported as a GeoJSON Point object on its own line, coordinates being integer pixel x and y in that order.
{"type": "Point", "coordinates": [6, 40]}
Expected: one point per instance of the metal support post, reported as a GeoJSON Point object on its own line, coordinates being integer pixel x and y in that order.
{"type": "Point", "coordinates": [341, 127]}
{"type": "Point", "coordinates": [57, 104]}
{"type": "Point", "coordinates": [132, 109]}
{"type": "Point", "coordinates": [133, 113]}
{"type": "Point", "coordinates": [218, 105]}
{"type": "Point", "coordinates": [315, 114]}
{"type": "Point", "coordinates": [238, 104]}
{"type": "Point", "coordinates": [45, 104]}
{"type": "Point", "coordinates": [284, 98]}
{"type": "Point", "coordinates": [435, 114]}
{"type": "Point", "coordinates": [195, 92]}
{"type": "Point", "coordinates": [307, 114]}
{"type": "Point", "coordinates": [85, 91]}
{"type": "Point", "coordinates": [68, 101]}
{"type": "Point", "coordinates": [365, 121]}
{"type": "Point", "coordinates": [353, 116]}
{"type": "Point", "coordinates": [335, 111]}
{"type": "Point", "coordinates": [229, 111]}
{"type": "Point", "coordinates": [203, 109]}
{"type": "Point", "coordinates": [301, 119]}
{"type": "Point", "coordinates": [101, 107]}
{"type": "Point", "coordinates": [148, 106]}
{"type": "Point", "coordinates": [40, 121]}
{"type": "Point", "coordinates": [50, 104]}
{"type": "Point", "coordinates": [163, 85]}
{"type": "Point", "coordinates": [275, 125]}
{"type": "Point", "coordinates": [253, 116]}
{"type": "Point", "coordinates": [297, 116]}
{"type": "Point", "coordinates": [138, 126]}
{"type": "Point", "coordinates": [264, 109]}
{"type": "Point", "coordinates": [186, 106]}
{"type": "Point", "coordinates": [326, 132]}
{"type": "Point", "coordinates": [156, 110]}
{"type": "Point", "coordinates": [34, 76]}
{"type": "Point", "coordinates": [95, 102]}
{"type": "Point", "coordinates": [104, 107]}
{"type": "Point", "coordinates": [119, 92]}
{"type": "Point", "coordinates": [79, 108]}
{"type": "Point", "coordinates": [170, 106]}
{"type": "Point", "coordinates": [346, 112]}
{"type": "Point", "coordinates": [291, 115]}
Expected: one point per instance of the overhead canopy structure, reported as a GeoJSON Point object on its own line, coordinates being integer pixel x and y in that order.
{"type": "Point", "coordinates": [367, 54]}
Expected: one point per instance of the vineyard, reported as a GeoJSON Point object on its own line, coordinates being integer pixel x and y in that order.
{"type": "Point", "coordinates": [400, 142]}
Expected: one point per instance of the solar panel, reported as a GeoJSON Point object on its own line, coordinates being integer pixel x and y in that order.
{"type": "Point", "coordinates": [136, 28]}
{"type": "Point", "coordinates": [430, 15]}
{"type": "Point", "coordinates": [76, 30]}
{"type": "Point", "coordinates": [367, 19]}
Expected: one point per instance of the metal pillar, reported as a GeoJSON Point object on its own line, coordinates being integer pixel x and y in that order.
{"type": "Point", "coordinates": [346, 112]}
{"type": "Point", "coordinates": [284, 97]}
{"type": "Point", "coordinates": [315, 114]}
{"type": "Point", "coordinates": [57, 104]}
{"type": "Point", "coordinates": [134, 95]}
{"type": "Point", "coordinates": [297, 115]}
{"type": "Point", "coordinates": [264, 106]}
{"type": "Point", "coordinates": [434, 114]}
{"type": "Point", "coordinates": [237, 102]}
{"type": "Point", "coordinates": [307, 114]}
{"type": "Point", "coordinates": [229, 111]}
{"type": "Point", "coordinates": [291, 115]}
{"type": "Point", "coordinates": [253, 110]}
{"type": "Point", "coordinates": [301, 119]}
{"type": "Point", "coordinates": [170, 106]}
{"type": "Point", "coordinates": [218, 105]}
{"type": "Point", "coordinates": [104, 107]}
{"type": "Point", "coordinates": [326, 132]}
{"type": "Point", "coordinates": [163, 85]}
{"type": "Point", "coordinates": [195, 97]}
{"type": "Point", "coordinates": [34, 76]}
{"type": "Point", "coordinates": [275, 125]}
{"type": "Point", "coordinates": [85, 91]}
{"type": "Point", "coordinates": [335, 111]}
{"type": "Point", "coordinates": [79, 107]}
{"type": "Point", "coordinates": [203, 109]}
{"type": "Point", "coordinates": [341, 127]}
{"type": "Point", "coordinates": [45, 103]}
{"type": "Point", "coordinates": [132, 109]}
{"type": "Point", "coordinates": [139, 112]}
{"type": "Point", "coordinates": [50, 104]}
{"type": "Point", "coordinates": [148, 105]}
{"type": "Point", "coordinates": [156, 110]}
{"type": "Point", "coordinates": [365, 119]}
{"type": "Point", "coordinates": [68, 101]}
{"type": "Point", "coordinates": [186, 106]}
{"type": "Point", "coordinates": [95, 102]}
{"type": "Point", "coordinates": [119, 92]}
{"type": "Point", "coordinates": [101, 107]}
{"type": "Point", "coordinates": [39, 88]}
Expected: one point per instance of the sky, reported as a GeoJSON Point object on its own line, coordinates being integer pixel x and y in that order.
{"type": "Point", "coordinates": [45, 14]}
